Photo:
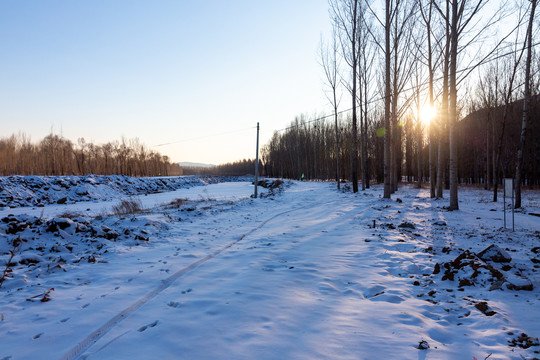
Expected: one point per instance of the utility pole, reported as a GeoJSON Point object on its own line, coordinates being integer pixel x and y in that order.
{"type": "Point", "coordinates": [257, 162]}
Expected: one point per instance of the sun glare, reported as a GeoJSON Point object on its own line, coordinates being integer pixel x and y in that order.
{"type": "Point", "coordinates": [427, 113]}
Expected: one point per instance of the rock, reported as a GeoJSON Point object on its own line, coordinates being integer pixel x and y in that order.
{"type": "Point", "coordinates": [470, 270]}
{"type": "Point", "coordinates": [496, 285]}
{"type": "Point", "coordinates": [29, 259]}
{"type": "Point", "coordinates": [61, 200]}
{"type": "Point", "coordinates": [63, 223]}
{"type": "Point", "coordinates": [81, 228]}
{"type": "Point", "coordinates": [15, 226]}
{"type": "Point", "coordinates": [495, 254]}
{"type": "Point", "coordinates": [81, 191]}
{"type": "Point", "coordinates": [524, 341]}
{"type": "Point", "coordinates": [56, 224]}
{"type": "Point", "coordinates": [112, 235]}
{"type": "Point", "coordinates": [407, 225]}
{"type": "Point", "coordinates": [423, 345]}
{"type": "Point", "coordinates": [484, 308]}
{"type": "Point", "coordinates": [519, 283]}
{"type": "Point", "coordinates": [440, 223]}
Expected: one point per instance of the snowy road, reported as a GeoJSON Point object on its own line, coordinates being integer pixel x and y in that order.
{"type": "Point", "coordinates": [301, 276]}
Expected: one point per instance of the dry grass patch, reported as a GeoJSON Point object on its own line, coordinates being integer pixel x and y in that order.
{"type": "Point", "coordinates": [128, 206]}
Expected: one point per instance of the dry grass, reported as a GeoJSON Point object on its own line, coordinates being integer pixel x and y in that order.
{"type": "Point", "coordinates": [127, 207]}
{"type": "Point", "coordinates": [9, 263]}
{"type": "Point", "coordinates": [176, 204]}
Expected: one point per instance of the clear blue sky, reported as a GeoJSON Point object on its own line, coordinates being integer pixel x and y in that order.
{"type": "Point", "coordinates": [162, 71]}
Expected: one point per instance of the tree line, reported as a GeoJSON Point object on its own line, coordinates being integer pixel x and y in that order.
{"type": "Point", "coordinates": [56, 155]}
{"type": "Point", "coordinates": [389, 62]}
{"type": "Point", "coordinates": [308, 147]}
{"type": "Point", "coordinates": [236, 168]}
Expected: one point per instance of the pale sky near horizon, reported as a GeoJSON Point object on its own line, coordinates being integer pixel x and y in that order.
{"type": "Point", "coordinates": [199, 74]}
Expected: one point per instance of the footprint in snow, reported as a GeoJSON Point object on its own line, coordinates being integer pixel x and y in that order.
{"type": "Point", "coordinates": [326, 287]}
{"type": "Point", "coordinates": [85, 306]}
{"type": "Point", "coordinates": [37, 336]}
{"type": "Point", "coordinates": [173, 304]}
{"type": "Point", "coordinates": [64, 320]}
{"type": "Point", "coordinates": [386, 297]}
{"type": "Point", "coordinates": [143, 328]}
{"type": "Point", "coordinates": [374, 291]}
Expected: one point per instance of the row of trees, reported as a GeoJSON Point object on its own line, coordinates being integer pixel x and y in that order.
{"type": "Point", "coordinates": [56, 155]}
{"type": "Point", "coordinates": [308, 147]}
{"type": "Point", "coordinates": [237, 168]}
{"type": "Point", "coordinates": [404, 57]}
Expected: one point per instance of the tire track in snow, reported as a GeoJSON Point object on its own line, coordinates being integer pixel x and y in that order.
{"type": "Point", "coordinates": [91, 339]}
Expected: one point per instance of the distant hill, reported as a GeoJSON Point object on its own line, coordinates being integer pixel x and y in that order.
{"type": "Point", "coordinates": [195, 165]}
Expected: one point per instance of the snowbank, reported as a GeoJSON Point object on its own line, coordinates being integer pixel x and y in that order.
{"type": "Point", "coordinates": [17, 191]}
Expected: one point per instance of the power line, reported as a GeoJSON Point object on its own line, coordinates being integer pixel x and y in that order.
{"type": "Point", "coordinates": [374, 100]}
{"type": "Point", "coordinates": [470, 68]}
{"type": "Point", "coordinates": [205, 137]}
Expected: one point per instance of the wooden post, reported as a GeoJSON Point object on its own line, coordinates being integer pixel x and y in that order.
{"type": "Point", "coordinates": [257, 162]}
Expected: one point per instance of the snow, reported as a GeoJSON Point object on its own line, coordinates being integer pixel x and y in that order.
{"type": "Point", "coordinates": [307, 272]}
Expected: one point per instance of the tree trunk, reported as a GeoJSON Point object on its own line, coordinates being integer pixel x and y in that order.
{"type": "Point", "coordinates": [365, 175]}
{"type": "Point", "coordinates": [444, 112]}
{"type": "Point", "coordinates": [387, 139]}
{"type": "Point", "coordinates": [337, 141]}
{"type": "Point", "coordinates": [419, 160]}
{"type": "Point", "coordinates": [454, 205]}
{"type": "Point", "coordinates": [526, 100]}
{"type": "Point", "coordinates": [430, 131]}
{"type": "Point", "coordinates": [488, 153]}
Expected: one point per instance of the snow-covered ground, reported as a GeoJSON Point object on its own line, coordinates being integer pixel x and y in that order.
{"type": "Point", "coordinates": [307, 273]}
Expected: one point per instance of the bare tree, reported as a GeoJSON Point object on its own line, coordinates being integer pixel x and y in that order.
{"type": "Point", "coordinates": [458, 16]}
{"type": "Point", "coordinates": [488, 89]}
{"type": "Point", "coordinates": [526, 100]}
{"type": "Point", "coordinates": [387, 88]}
{"type": "Point", "coordinates": [427, 17]}
{"type": "Point", "coordinates": [330, 64]}
{"type": "Point", "coordinates": [345, 14]}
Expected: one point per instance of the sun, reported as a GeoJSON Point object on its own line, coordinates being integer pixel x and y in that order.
{"type": "Point", "coordinates": [427, 113]}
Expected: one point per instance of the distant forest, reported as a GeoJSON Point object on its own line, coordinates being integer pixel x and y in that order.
{"type": "Point", "coordinates": [237, 168]}
{"type": "Point", "coordinates": [56, 155]}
